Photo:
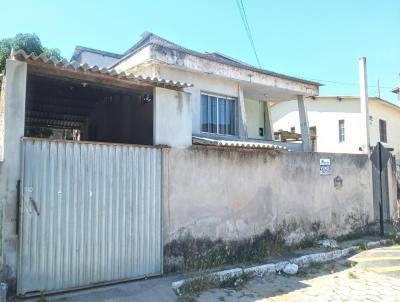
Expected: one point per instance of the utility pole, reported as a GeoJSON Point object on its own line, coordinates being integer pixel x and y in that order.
{"type": "Point", "coordinates": [362, 64]}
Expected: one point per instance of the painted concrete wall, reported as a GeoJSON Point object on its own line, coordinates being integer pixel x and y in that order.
{"type": "Point", "coordinates": [95, 59]}
{"type": "Point", "coordinates": [213, 85]}
{"type": "Point", "coordinates": [172, 118]}
{"type": "Point", "coordinates": [325, 113]}
{"type": "Point", "coordinates": [10, 168]}
{"type": "Point", "coordinates": [202, 65]}
{"type": "Point", "coordinates": [255, 118]}
{"type": "Point", "coordinates": [378, 111]}
{"type": "Point", "coordinates": [234, 193]}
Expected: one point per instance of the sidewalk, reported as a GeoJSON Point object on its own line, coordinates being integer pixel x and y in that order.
{"type": "Point", "coordinates": [151, 290]}
{"type": "Point", "coordinates": [158, 288]}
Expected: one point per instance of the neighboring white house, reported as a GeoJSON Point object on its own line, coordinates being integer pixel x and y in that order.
{"type": "Point", "coordinates": [230, 99]}
{"type": "Point", "coordinates": [337, 122]}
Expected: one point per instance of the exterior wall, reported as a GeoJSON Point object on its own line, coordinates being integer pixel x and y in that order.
{"type": "Point", "coordinates": [255, 118]}
{"type": "Point", "coordinates": [172, 118]}
{"type": "Point", "coordinates": [202, 83]}
{"type": "Point", "coordinates": [10, 168]}
{"type": "Point", "coordinates": [325, 115]}
{"type": "Point", "coordinates": [232, 194]}
{"type": "Point", "coordinates": [392, 117]}
{"type": "Point", "coordinates": [100, 60]}
{"type": "Point", "coordinates": [201, 65]}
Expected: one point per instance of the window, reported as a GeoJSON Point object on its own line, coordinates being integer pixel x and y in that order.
{"type": "Point", "coordinates": [218, 115]}
{"type": "Point", "coordinates": [293, 129]}
{"type": "Point", "coordinates": [341, 131]}
{"type": "Point", "coordinates": [382, 131]}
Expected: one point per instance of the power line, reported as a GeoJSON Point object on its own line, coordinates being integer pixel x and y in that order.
{"type": "Point", "coordinates": [344, 83]}
{"type": "Point", "coordinates": [243, 15]}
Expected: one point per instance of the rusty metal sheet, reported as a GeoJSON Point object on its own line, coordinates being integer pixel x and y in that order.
{"type": "Point", "coordinates": [90, 214]}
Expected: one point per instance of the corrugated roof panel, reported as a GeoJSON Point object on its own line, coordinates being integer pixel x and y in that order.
{"type": "Point", "coordinates": [23, 56]}
{"type": "Point", "coordinates": [197, 140]}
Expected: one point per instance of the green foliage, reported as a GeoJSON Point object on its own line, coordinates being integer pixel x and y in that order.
{"type": "Point", "coordinates": [203, 253]}
{"type": "Point", "coordinates": [29, 43]}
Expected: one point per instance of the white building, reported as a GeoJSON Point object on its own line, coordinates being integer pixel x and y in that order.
{"type": "Point", "coordinates": [337, 121]}
{"type": "Point", "coordinates": [229, 98]}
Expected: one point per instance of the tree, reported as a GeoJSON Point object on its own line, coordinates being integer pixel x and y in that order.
{"type": "Point", "coordinates": [27, 42]}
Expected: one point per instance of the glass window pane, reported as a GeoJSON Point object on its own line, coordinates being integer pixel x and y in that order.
{"type": "Point", "coordinates": [205, 117]}
{"type": "Point", "coordinates": [221, 116]}
{"type": "Point", "coordinates": [213, 114]}
{"type": "Point", "coordinates": [231, 117]}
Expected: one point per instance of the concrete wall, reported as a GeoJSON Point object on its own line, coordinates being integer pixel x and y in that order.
{"type": "Point", "coordinates": [255, 118]}
{"type": "Point", "coordinates": [10, 168]}
{"type": "Point", "coordinates": [202, 83]}
{"type": "Point", "coordinates": [379, 110]}
{"type": "Point", "coordinates": [96, 59]}
{"type": "Point", "coordinates": [232, 194]}
{"type": "Point", "coordinates": [172, 118]}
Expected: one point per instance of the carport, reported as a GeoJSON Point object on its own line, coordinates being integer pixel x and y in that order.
{"type": "Point", "coordinates": [83, 205]}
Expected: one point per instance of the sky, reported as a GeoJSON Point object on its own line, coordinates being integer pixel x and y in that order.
{"type": "Point", "coordinates": [316, 40]}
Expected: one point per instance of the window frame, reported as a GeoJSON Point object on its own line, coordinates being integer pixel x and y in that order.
{"type": "Point", "coordinates": [236, 115]}
{"type": "Point", "coordinates": [342, 134]}
{"type": "Point", "coordinates": [383, 123]}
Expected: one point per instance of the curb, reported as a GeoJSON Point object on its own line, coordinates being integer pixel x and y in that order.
{"type": "Point", "coordinates": [302, 262]}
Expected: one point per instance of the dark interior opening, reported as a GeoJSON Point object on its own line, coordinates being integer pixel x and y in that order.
{"type": "Point", "coordinates": [58, 108]}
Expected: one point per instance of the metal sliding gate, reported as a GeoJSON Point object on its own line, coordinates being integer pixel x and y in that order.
{"type": "Point", "coordinates": [89, 214]}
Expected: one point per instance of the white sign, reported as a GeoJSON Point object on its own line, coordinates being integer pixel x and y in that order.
{"type": "Point", "coordinates": [324, 166]}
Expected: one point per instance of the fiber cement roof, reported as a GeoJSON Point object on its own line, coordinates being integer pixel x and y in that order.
{"type": "Point", "coordinates": [64, 64]}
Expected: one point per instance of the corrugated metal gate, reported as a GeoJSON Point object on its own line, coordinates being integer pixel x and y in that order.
{"type": "Point", "coordinates": [89, 214]}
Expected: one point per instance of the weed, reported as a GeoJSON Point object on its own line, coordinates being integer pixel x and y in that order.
{"type": "Point", "coordinates": [192, 288]}
{"type": "Point", "coordinates": [306, 242]}
{"type": "Point", "coordinates": [203, 253]}
{"type": "Point", "coordinates": [352, 275]}
{"type": "Point", "coordinates": [364, 246]}
{"type": "Point", "coordinates": [395, 237]}
{"type": "Point", "coordinates": [351, 236]}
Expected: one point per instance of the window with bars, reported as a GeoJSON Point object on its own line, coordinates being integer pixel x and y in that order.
{"type": "Point", "coordinates": [382, 131]}
{"type": "Point", "coordinates": [341, 131]}
{"type": "Point", "coordinates": [218, 114]}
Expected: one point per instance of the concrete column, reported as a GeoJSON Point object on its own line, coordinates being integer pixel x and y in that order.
{"type": "Point", "coordinates": [364, 105]}
{"type": "Point", "coordinates": [243, 135]}
{"type": "Point", "coordinates": [10, 168]}
{"type": "Point", "coordinates": [305, 130]}
{"type": "Point", "coordinates": [172, 118]}
{"type": "Point", "coordinates": [269, 129]}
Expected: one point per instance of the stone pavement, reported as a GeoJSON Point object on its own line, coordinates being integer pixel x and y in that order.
{"type": "Point", "coordinates": [375, 276]}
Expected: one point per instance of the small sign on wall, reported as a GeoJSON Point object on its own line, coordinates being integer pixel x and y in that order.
{"type": "Point", "coordinates": [325, 166]}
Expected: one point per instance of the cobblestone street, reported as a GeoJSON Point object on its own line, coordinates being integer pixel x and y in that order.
{"type": "Point", "coordinates": [372, 275]}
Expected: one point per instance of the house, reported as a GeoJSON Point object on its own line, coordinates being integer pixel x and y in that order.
{"type": "Point", "coordinates": [230, 99]}
{"type": "Point", "coordinates": [336, 122]}
{"type": "Point", "coordinates": [111, 172]}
